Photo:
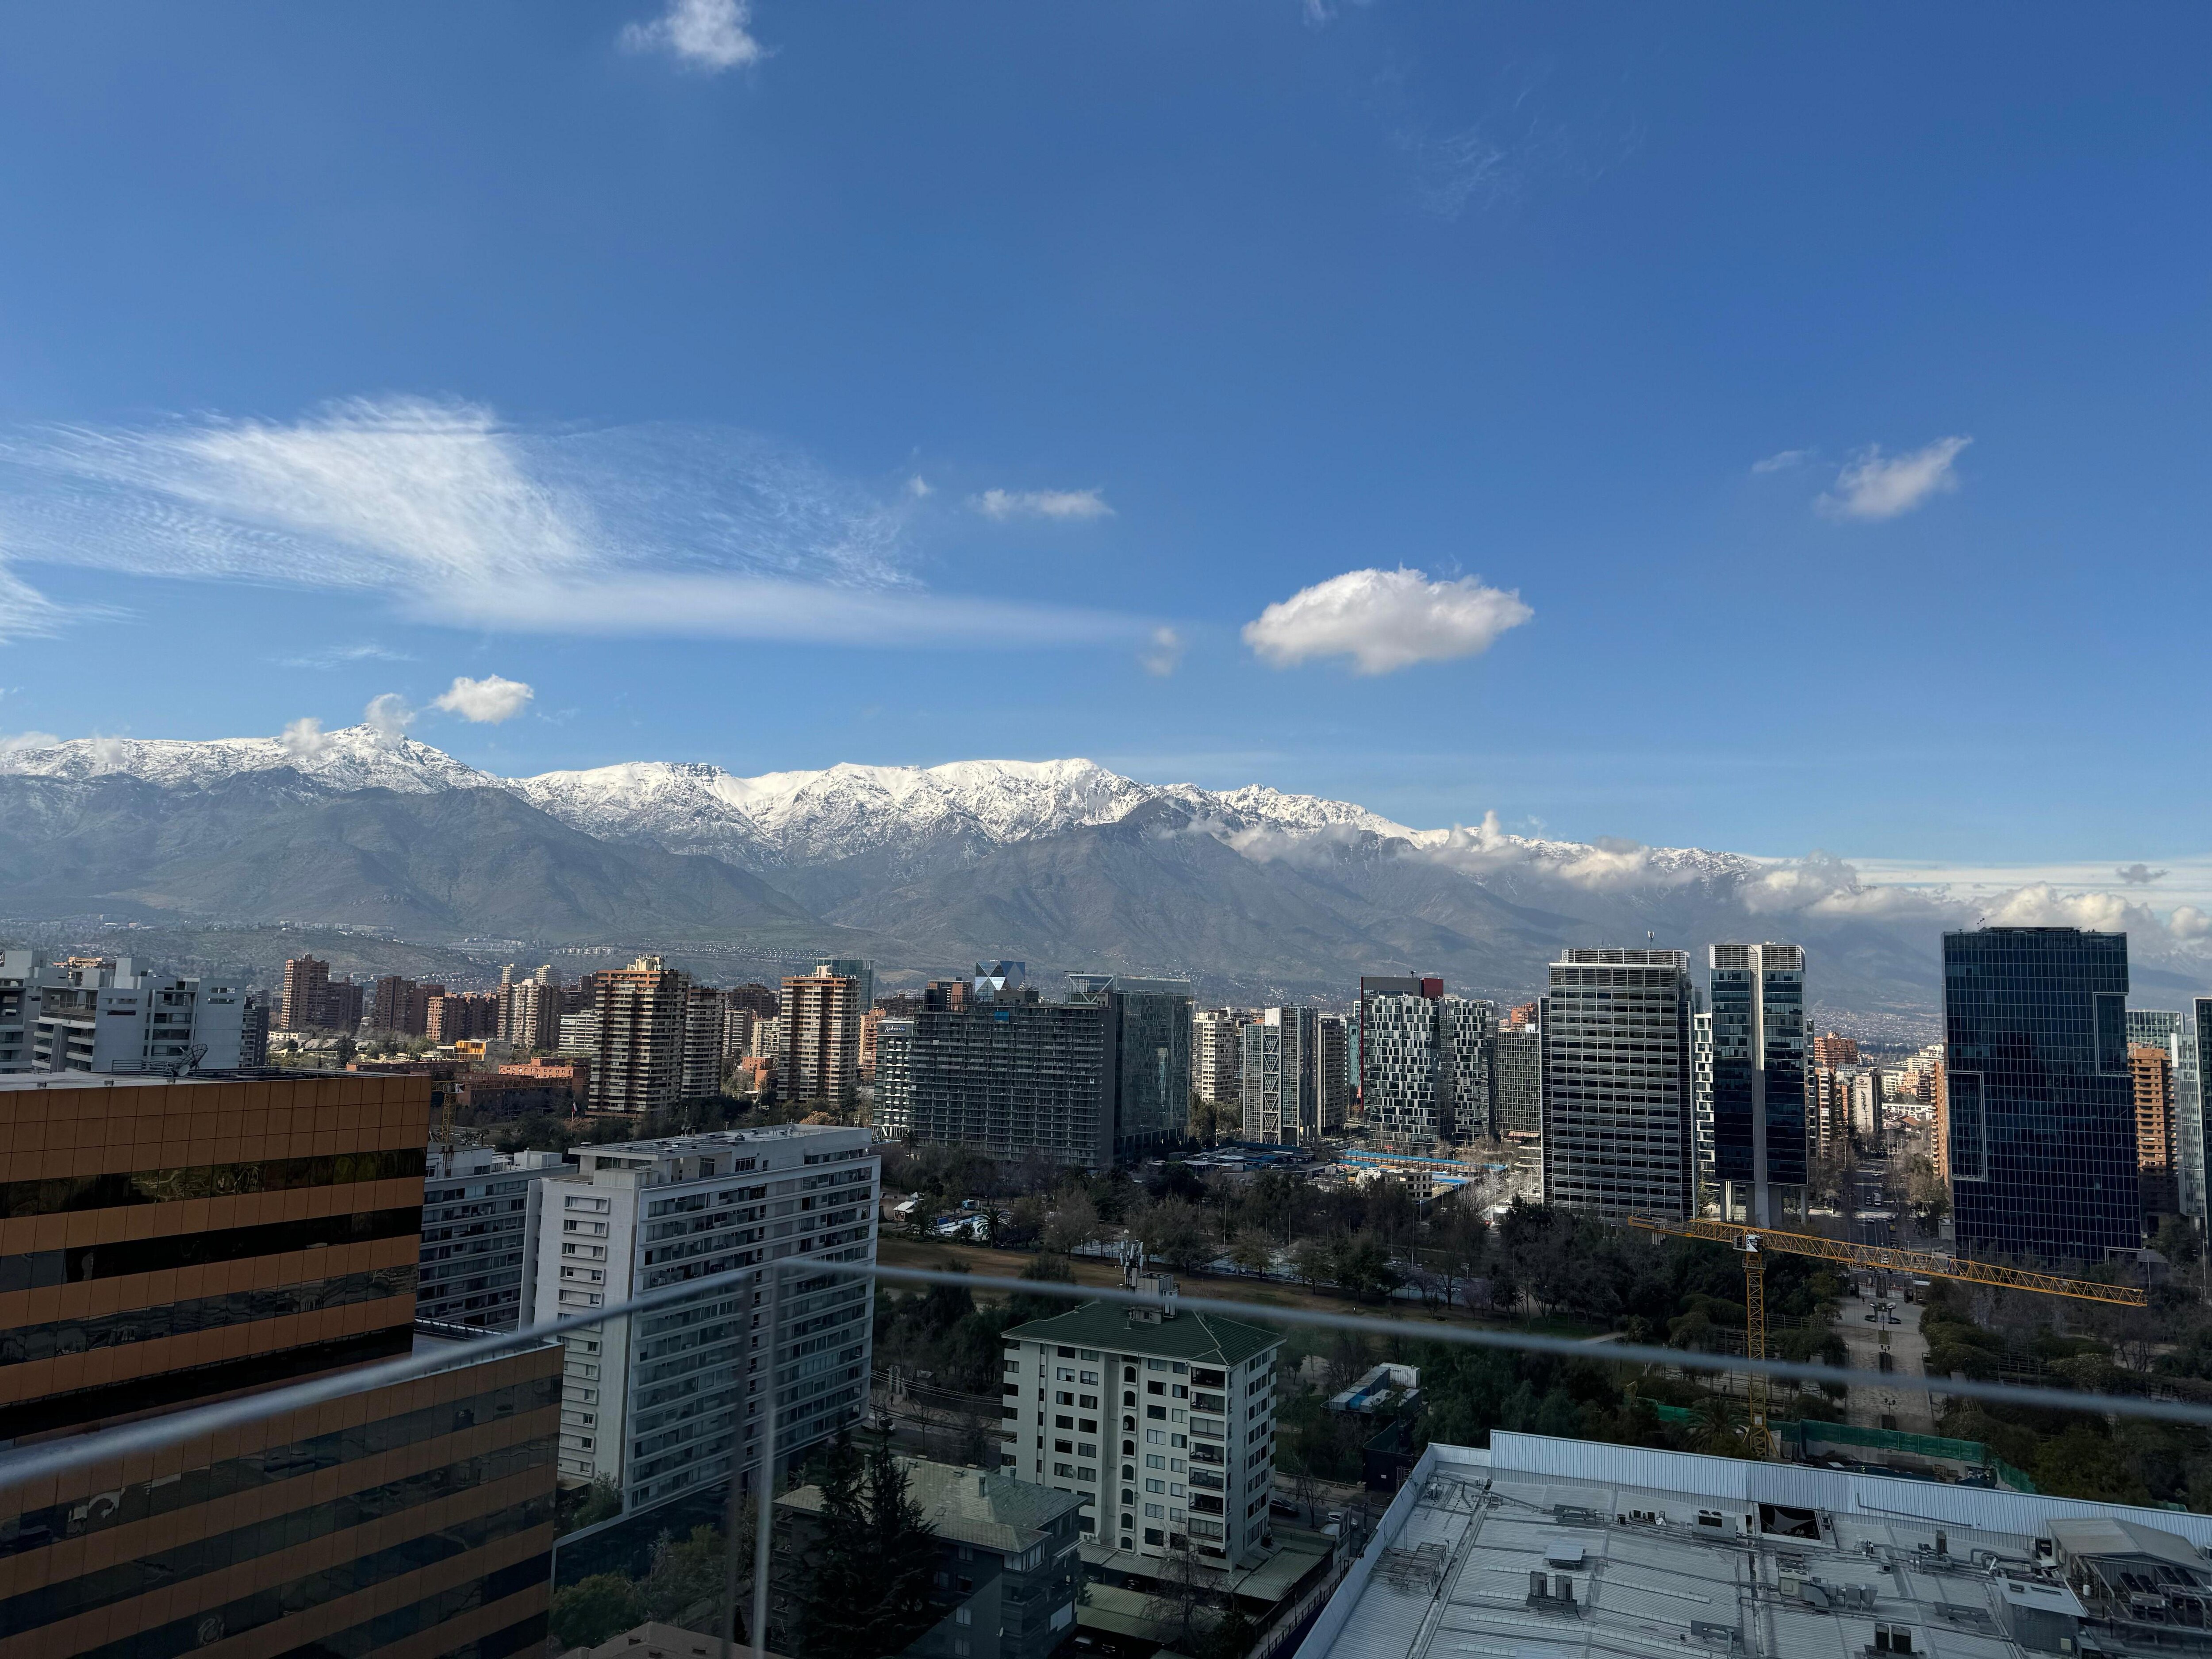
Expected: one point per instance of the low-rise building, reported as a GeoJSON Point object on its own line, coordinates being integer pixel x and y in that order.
{"type": "Point", "coordinates": [106, 1014]}
{"type": "Point", "coordinates": [1007, 1571]}
{"type": "Point", "coordinates": [663, 1403]}
{"type": "Point", "coordinates": [1163, 1422]}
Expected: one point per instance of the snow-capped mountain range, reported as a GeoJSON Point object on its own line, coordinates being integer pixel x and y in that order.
{"type": "Point", "coordinates": [781, 818]}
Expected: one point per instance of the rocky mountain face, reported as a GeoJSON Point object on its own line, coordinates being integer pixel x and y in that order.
{"type": "Point", "coordinates": [1251, 892]}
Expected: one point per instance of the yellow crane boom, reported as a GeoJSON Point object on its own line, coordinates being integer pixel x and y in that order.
{"type": "Point", "coordinates": [1754, 1242]}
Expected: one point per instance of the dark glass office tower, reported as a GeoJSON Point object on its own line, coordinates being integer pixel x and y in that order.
{"type": "Point", "coordinates": [1759, 1082]}
{"type": "Point", "coordinates": [2041, 1104]}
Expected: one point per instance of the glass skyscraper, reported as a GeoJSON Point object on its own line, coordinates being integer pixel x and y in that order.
{"type": "Point", "coordinates": [2041, 1104]}
{"type": "Point", "coordinates": [1757, 1082]}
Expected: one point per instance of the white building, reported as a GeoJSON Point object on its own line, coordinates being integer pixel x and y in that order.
{"type": "Point", "coordinates": [1163, 1423]}
{"type": "Point", "coordinates": [477, 1230]}
{"type": "Point", "coordinates": [1282, 1079]}
{"type": "Point", "coordinates": [658, 1404]}
{"type": "Point", "coordinates": [1217, 1055]}
{"type": "Point", "coordinates": [104, 1014]}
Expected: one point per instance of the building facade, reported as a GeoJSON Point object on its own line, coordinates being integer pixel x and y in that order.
{"type": "Point", "coordinates": [1617, 1115]}
{"type": "Point", "coordinates": [2150, 1072]}
{"type": "Point", "coordinates": [638, 1068]}
{"type": "Point", "coordinates": [1757, 1088]}
{"type": "Point", "coordinates": [1162, 1424]}
{"type": "Point", "coordinates": [1147, 1024]}
{"type": "Point", "coordinates": [1427, 1068]}
{"type": "Point", "coordinates": [2040, 1102]}
{"type": "Point", "coordinates": [818, 1041]}
{"type": "Point", "coordinates": [1335, 1073]}
{"type": "Point", "coordinates": [663, 1403]}
{"type": "Point", "coordinates": [105, 1014]}
{"type": "Point", "coordinates": [1282, 1077]}
{"type": "Point", "coordinates": [1516, 1081]}
{"type": "Point", "coordinates": [413, 1519]}
{"type": "Point", "coordinates": [1217, 1055]}
{"type": "Point", "coordinates": [475, 1234]}
{"type": "Point", "coordinates": [1372, 986]}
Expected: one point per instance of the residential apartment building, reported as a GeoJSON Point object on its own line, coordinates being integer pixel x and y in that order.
{"type": "Point", "coordinates": [1335, 1073]}
{"type": "Point", "coordinates": [638, 1065]}
{"type": "Point", "coordinates": [300, 1004]}
{"type": "Point", "coordinates": [1162, 1424]}
{"type": "Point", "coordinates": [663, 1403]}
{"type": "Point", "coordinates": [530, 1009]}
{"type": "Point", "coordinates": [476, 1234]}
{"type": "Point", "coordinates": [1427, 1068]}
{"type": "Point", "coordinates": [1217, 1055]}
{"type": "Point", "coordinates": [1517, 1083]}
{"type": "Point", "coordinates": [1758, 1087]}
{"type": "Point", "coordinates": [252, 1031]}
{"type": "Point", "coordinates": [2041, 1104]}
{"type": "Point", "coordinates": [460, 1016]}
{"type": "Point", "coordinates": [1618, 1105]}
{"type": "Point", "coordinates": [818, 1042]}
{"type": "Point", "coordinates": [1282, 1077]}
{"type": "Point", "coordinates": [1001, 1069]}
{"type": "Point", "coordinates": [2150, 1071]}
{"type": "Point", "coordinates": [1372, 986]}
{"type": "Point", "coordinates": [1830, 1049]}
{"type": "Point", "coordinates": [1008, 1570]}
{"type": "Point", "coordinates": [2174, 1032]}
{"type": "Point", "coordinates": [701, 1071]}
{"type": "Point", "coordinates": [106, 1014]}
{"type": "Point", "coordinates": [2194, 1084]}
{"type": "Point", "coordinates": [224, 1237]}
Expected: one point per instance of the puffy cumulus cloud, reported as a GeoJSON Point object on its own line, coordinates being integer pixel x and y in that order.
{"type": "Point", "coordinates": [488, 700]}
{"type": "Point", "coordinates": [2188, 924]}
{"type": "Point", "coordinates": [706, 34]}
{"type": "Point", "coordinates": [1162, 652]}
{"type": "Point", "coordinates": [1385, 620]}
{"type": "Point", "coordinates": [2039, 904]}
{"type": "Point", "coordinates": [388, 716]}
{"type": "Point", "coordinates": [1873, 485]}
{"type": "Point", "coordinates": [304, 739]}
{"type": "Point", "coordinates": [461, 519]}
{"type": "Point", "coordinates": [1066, 504]}
{"type": "Point", "coordinates": [15, 743]}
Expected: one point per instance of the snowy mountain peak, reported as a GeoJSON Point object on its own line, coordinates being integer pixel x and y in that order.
{"type": "Point", "coordinates": [353, 757]}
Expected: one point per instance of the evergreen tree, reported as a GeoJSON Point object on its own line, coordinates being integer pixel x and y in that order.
{"type": "Point", "coordinates": [901, 1554]}
{"type": "Point", "coordinates": [833, 1601]}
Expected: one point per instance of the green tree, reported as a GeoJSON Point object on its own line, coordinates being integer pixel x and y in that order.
{"type": "Point", "coordinates": [1252, 1251]}
{"type": "Point", "coordinates": [593, 1609]}
{"type": "Point", "coordinates": [901, 1551]}
{"type": "Point", "coordinates": [864, 1590]}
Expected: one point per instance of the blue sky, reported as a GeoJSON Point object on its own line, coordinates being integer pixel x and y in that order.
{"type": "Point", "coordinates": [1829, 388]}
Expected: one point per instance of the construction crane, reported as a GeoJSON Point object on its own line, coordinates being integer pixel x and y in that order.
{"type": "Point", "coordinates": [1754, 1243]}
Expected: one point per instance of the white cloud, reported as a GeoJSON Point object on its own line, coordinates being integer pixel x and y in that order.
{"type": "Point", "coordinates": [15, 743]}
{"type": "Point", "coordinates": [1782, 460]}
{"type": "Point", "coordinates": [460, 520]}
{"type": "Point", "coordinates": [488, 700]}
{"type": "Point", "coordinates": [2188, 922]}
{"type": "Point", "coordinates": [26, 613]}
{"type": "Point", "coordinates": [918, 487]}
{"type": "Point", "coordinates": [709, 34]}
{"type": "Point", "coordinates": [303, 739]}
{"type": "Point", "coordinates": [388, 716]}
{"type": "Point", "coordinates": [337, 655]}
{"type": "Point", "coordinates": [1162, 652]}
{"type": "Point", "coordinates": [1873, 485]}
{"type": "Point", "coordinates": [1385, 620]}
{"type": "Point", "coordinates": [1004, 504]}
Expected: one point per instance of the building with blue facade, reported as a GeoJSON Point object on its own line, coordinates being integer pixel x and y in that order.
{"type": "Point", "coordinates": [1756, 1119]}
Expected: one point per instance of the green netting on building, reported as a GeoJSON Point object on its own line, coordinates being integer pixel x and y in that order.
{"type": "Point", "coordinates": [1811, 1432]}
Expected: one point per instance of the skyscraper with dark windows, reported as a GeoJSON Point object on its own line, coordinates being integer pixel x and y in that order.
{"type": "Point", "coordinates": [2041, 1114]}
{"type": "Point", "coordinates": [1617, 1082]}
{"type": "Point", "coordinates": [1758, 1082]}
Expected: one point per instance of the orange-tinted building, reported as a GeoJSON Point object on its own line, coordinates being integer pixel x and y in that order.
{"type": "Point", "coordinates": [165, 1244]}
{"type": "Point", "coordinates": [2152, 1068]}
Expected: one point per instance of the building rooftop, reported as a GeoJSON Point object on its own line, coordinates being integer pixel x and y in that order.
{"type": "Point", "coordinates": [1541, 1548]}
{"type": "Point", "coordinates": [1207, 1338]}
{"type": "Point", "coordinates": [970, 1505]}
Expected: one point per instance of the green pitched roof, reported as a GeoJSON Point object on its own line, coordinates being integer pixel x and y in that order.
{"type": "Point", "coordinates": [1208, 1338]}
{"type": "Point", "coordinates": [967, 1505]}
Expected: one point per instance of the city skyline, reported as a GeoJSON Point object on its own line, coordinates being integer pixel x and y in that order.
{"type": "Point", "coordinates": [1631, 367]}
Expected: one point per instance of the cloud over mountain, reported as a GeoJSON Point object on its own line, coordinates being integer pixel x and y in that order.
{"type": "Point", "coordinates": [1385, 620]}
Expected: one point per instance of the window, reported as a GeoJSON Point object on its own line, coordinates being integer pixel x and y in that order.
{"type": "Point", "coordinates": [1156, 1485]}
{"type": "Point", "coordinates": [1152, 1535]}
{"type": "Point", "coordinates": [1090, 1378]}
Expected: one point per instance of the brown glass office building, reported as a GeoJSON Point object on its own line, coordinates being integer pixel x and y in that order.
{"type": "Point", "coordinates": [163, 1245]}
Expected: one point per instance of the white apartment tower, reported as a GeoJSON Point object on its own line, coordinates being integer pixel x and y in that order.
{"type": "Point", "coordinates": [1617, 1082]}
{"type": "Point", "coordinates": [662, 1403]}
{"type": "Point", "coordinates": [1217, 1055]}
{"type": "Point", "coordinates": [1163, 1422]}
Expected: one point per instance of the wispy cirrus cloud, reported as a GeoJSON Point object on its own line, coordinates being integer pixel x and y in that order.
{"type": "Point", "coordinates": [1385, 620]}
{"type": "Point", "coordinates": [337, 656]}
{"type": "Point", "coordinates": [1066, 504]}
{"type": "Point", "coordinates": [458, 519]}
{"type": "Point", "coordinates": [713, 35]}
{"type": "Point", "coordinates": [1782, 460]}
{"type": "Point", "coordinates": [1873, 485]}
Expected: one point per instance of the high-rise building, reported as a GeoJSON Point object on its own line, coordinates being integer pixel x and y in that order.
{"type": "Point", "coordinates": [1335, 1073]}
{"type": "Point", "coordinates": [1371, 987]}
{"type": "Point", "coordinates": [639, 1066]}
{"type": "Point", "coordinates": [2193, 1083]}
{"type": "Point", "coordinates": [401, 1005]}
{"type": "Point", "coordinates": [858, 969]}
{"type": "Point", "coordinates": [2171, 1032]}
{"type": "Point", "coordinates": [1758, 1005]}
{"type": "Point", "coordinates": [343, 1004]}
{"type": "Point", "coordinates": [1830, 1049]}
{"type": "Point", "coordinates": [819, 1049]}
{"type": "Point", "coordinates": [413, 1519]}
{"type": "Point", "coordinates": [300, 1005]}
{"type": "Point", "coordinates": [1282, 1077]}
{"type": "Point", "coordinates": [2041, 1105]}
{"type": "Point", "coordinates": [1162, 1424]}
{"type": "Point", "coordinates": [106, 1014]}
{"type": "Point", "coordinates": [1618, 1082]}
{"type": "Point", "coordinates": [1002, 1071]}
{"type": "Point", "coordinates": [1147, 1031]}
{"type": "Point", "coordinates": [252, 1031]}
{"type": "Point", "coordinates": [2150, 1070]}
{"type": "Point", "coordinates": [530, 1010]}
{"type": "Point", "coordinates": [660, 1404]}
{"type": "Point", "coordinates": [476, 1234]}
{"type": "Point", "coordinates": [1705, 1200]}
{"type": "Point", "coordinates": [1517, 1083]}
{"type": "Point", "coordinates": [1217, 1055]}
{"type": "Point", "coordinates": [1427, 1068]}
{"type": "Point", "coordinates": [703, 1010]}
